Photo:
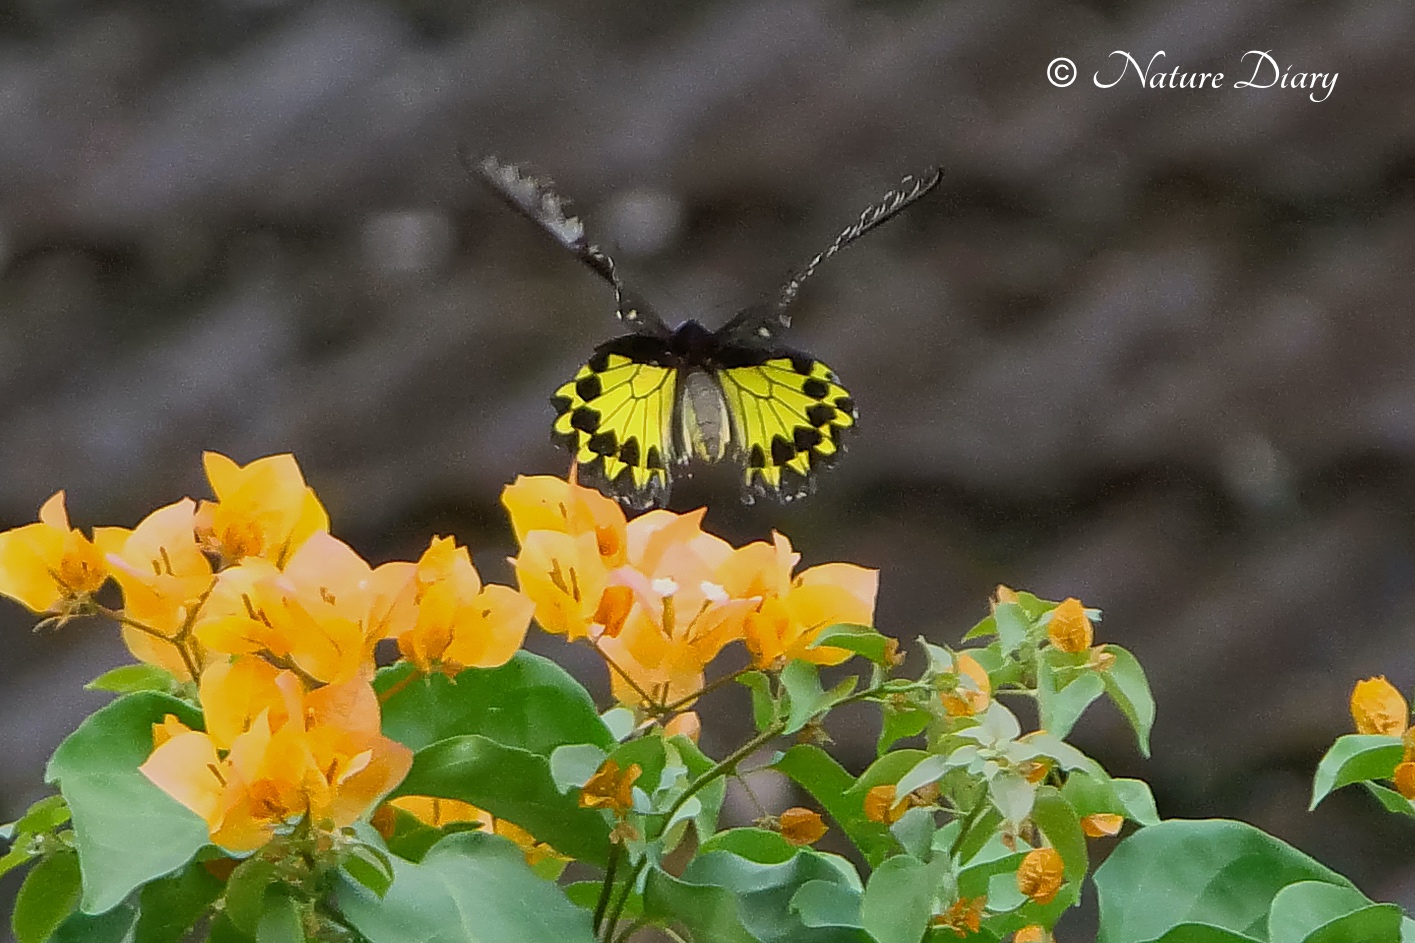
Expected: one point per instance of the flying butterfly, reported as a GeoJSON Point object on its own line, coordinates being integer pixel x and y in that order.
{"type": "Point", "coordinates": [648, 402]}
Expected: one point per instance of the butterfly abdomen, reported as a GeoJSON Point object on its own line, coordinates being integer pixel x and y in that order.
{"type": "Point", "coordinates": [704, 424]}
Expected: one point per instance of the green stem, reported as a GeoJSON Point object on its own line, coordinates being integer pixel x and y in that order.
{"type": "Point", "coordinates": [616, 852]}
{"type": "Point", "coordinates": [968, 821]}
{"type": "Point", "coordinates": [704, 690]}
{"type": "Point", "coordinates": [726, 766]}
{"type": "Point", "coordinates": [612, 921]}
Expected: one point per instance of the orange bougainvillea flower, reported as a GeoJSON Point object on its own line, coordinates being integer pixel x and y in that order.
{"type": "Point", "coordinates": [546, 503]}
{"type": "Point", "coordinates": [439, 812]}
{"type": "Point", "coordinates": [1377, 707]}
{"type": "Point", "coordinates": [793, 611]}
{"type": "Point", "coordinates": [609, 788]}
{"type": "Point", "coordinates": [1102, 824]}
{"type": "Point", "coordinates": [49, 567]}
{"type": "Point", "coordinates": [165, 578]}
{"type": "Point", "coordinates": [459, 622]}
{"type": "Point", "coordinates": [322, 614]}
{"type": "Point", "coordinates": [801, 826]}
{"type": "Point", "coordinates": [965, 916]}
{"type": "Point", "coordinates": [1041, 874]}
{"type": "Point", "coordinates": [325, 762]}
{"type": "Point", "coordinates": [436, 812]}
{"type": "Point", "coordinates": [1069, 629]}
{"type": "Point", "coordinates": [1035, 933]}
{"type": "Point", "coordinates": [565, 577]}
{"type": "Point", "coordinates": [263, 509]}
{"type": "Point", "coordinates": [973, 691]}
{"type": "Point", "coordinates": [665, 614]}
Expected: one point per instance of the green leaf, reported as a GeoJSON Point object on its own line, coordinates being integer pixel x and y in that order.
{"type": "Point", "coordinates": [1355, 758]}
{"type": "Point", "coordinates": [1204, 933]}
{"type": "Point", "coordinates": [118, 925]}
{"type": "Point", "coordinates": [1392, 800]}
{"type": "Point", "coordinates": [1125, 683]}
{"type": "Point", "coordinates": [619, 721]}
{"type": "Point", "coordinates": [280, 923]}
{"type": "Point", "coordinates": [755, 844]}
{"type": "Point", "coordinates": [764, 706]}
{"type": "Point", "coordinates": [245, 893]}
{"type": "Point", "coordinates": [820, 904]}
{"type": "Point", "coordinates": [1091, 791]}
{"type": "Point", "coordinates": [126, 830]}
{"type": "Point", "coordinates": [805, 697]}
{"type": "Point", "coordinates": [1012, 626]}
{"type": "Point", "coordinates": [899, 900]}
{"type": "Point", "coordinates": [860, 639]}
{"type": "Point", "coordinates": [171, 906]}
{"type": "Point", "coordinates": [985, 627]}
{"type": "Point", "coordinates": [836, 790]}
{"type": "Point", "coordinates": [1060, 707]}
{"type": "Point", "coordinates": [511, 784]}
{"type": "Point", "coordinates": [129, 679]}
{"type": "Point", "coordinates": [49, 894]}
{"type": "Point", "coordinates": [1062, 827]}
{"type": "Point", "coordinates": [411, 837]}
{"type": "Point", "coordinates": [927, 770]}
{"type": "Point", "coordinates": [1138, 801]}
{"type": "Point", "coordinates": [1314, 910]}
{"type": "Point", "coordinates": [901, 724]}
{"type": "Point", "coordinates": [1221, 873]}
{"type": "Point", "coordinates": [470, 888]}
{"type": "Point", "coordinates": [370, 867]}
{"type": "Point", "coordinates": [44, 816]}
{"type": "Point", "coordinates": [725, 897]}
{"type": "Point", "coordinates": [572, 766]}
{"type": "Point", "coordinates": [530, 703]}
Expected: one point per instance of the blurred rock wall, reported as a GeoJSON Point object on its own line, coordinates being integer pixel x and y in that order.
{"type": "Point", "coordinates": [1151, 347]}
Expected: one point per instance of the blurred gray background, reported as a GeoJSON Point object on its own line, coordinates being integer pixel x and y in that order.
{"type": "Point", "coordinates": [1148, 347]}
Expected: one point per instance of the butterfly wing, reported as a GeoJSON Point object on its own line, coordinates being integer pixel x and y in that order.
{"type": "Point", "coordinates": [615, 417]}
{"type": "Point", "coordinates": [789, 413]}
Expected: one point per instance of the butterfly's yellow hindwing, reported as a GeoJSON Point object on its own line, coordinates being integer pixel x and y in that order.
{"type": "Point", "coordinates": [788, 414]}
{"type": "Point", "coordinates": [614, 417]}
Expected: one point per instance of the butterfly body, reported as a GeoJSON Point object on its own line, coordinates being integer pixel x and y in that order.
{"type": "Point", "coordinates": [647, 403]}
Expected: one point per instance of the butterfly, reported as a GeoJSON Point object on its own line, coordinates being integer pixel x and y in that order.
{"type": "Point", "coordinates": [647, 403]}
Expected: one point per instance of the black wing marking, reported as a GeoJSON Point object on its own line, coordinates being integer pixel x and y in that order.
{"type": "Point", "coordinates": [536, 199]}
{"type": "Point", "coordinates": [760, 324]}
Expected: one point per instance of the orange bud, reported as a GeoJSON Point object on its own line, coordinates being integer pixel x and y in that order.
{"type": "Point", "coordinates": [1377, 707]}
{"type": "Point", "coordinates": [1102, 824]}
{"type": "Point", "coordinates": [1069, 629]}
{"type": "Point", "coordinates": [1041, 874]}
{"type": "Point", "coordinates": [1035, 933]}
{"type": "Point", "coordinates": [881, 807]}
{"type": "Point", "coordinates": [974, 688]}
{"type": "Point", "coordinates": [688, 724]}
{"type": "Point", "coordinates": [801, 826]}
{"type": "Point", "coordinates": [1404, 777]}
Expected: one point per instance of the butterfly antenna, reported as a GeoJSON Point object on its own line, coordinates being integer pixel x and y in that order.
{"type": "Point", "coordinates": [535, 198]}
{"type": "Point", "coordinates": [910, 189]}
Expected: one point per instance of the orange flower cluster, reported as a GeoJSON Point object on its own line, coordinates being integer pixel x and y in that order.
{"type": "Point", "coordinates": [660, 598]}
{"type": "Point", "coordinates": [276, 620]}
{"type": "Point", "coordinates": [1378, 708]}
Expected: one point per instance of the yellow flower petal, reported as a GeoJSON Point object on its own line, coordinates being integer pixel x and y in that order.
{"type": "Point", "coordinates": [1069, 629]}
{"type": "Point", "coordinates": [1378, 708]}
